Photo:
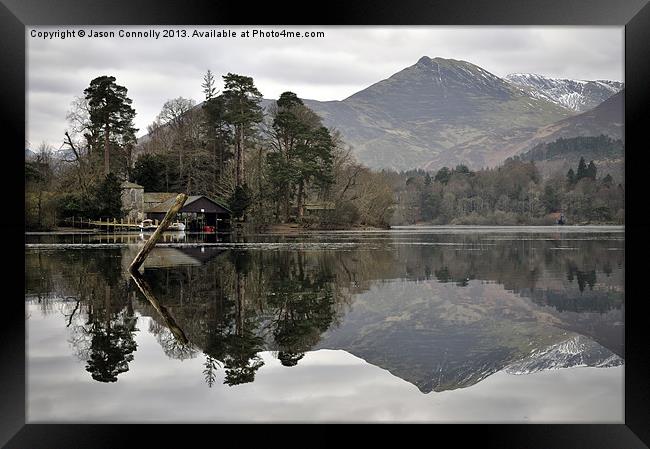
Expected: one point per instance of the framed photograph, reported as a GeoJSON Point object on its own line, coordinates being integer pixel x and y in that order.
{"type": "Point", "coordinates": [405, 214]}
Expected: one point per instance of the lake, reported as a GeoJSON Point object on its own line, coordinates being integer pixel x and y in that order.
{"type": "Point", "coordinates": [415, 324]}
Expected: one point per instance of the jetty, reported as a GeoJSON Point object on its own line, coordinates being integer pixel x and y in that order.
{"type": "Point", "coordinates": [107, 224]}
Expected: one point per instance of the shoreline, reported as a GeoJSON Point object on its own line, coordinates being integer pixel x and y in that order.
{"type": "Point", "coordinates": [294, 229]}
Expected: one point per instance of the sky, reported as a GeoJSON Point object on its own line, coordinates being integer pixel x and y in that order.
{"type": "Point", "coordinates": [343, 62]}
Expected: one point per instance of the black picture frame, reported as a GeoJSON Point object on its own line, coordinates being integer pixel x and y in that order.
{"type": "Point", "coordinates": [15, 15]}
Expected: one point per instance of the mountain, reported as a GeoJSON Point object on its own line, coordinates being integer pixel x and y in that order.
{"type": "Point", "coordinates": [416, 114]}
{"type": "Point", "coordinates": [577, 95]}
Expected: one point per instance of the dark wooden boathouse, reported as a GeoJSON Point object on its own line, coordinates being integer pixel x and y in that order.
{"type": "Point", "coordinates": [197, 212]}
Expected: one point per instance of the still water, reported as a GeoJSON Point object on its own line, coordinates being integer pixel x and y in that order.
{"type": "Point", "coordinates": [415, 324]}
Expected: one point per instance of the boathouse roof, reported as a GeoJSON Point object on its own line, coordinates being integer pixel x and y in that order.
{"type": "Point", "coordinates": [192, 200]}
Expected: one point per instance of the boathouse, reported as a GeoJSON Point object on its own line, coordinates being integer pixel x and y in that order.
{"type": "Point", "coordinates": [198, 211]}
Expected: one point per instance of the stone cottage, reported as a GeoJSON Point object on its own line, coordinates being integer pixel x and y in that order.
{"type": "Point", "coordinates": [133, 201]}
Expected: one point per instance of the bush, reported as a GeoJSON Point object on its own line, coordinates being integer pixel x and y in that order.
{"type": "Point", "coordinates": [40, 215]}
{"type": "Point", "coordinates": [104, 200]}
{"type": "Point", "coordinates": [620, 216]}
{"type": "Point", "coordinates": [108, 198]}
{"type": "Point", "coordinates": [344, 214]}
{"type": "Point", "coordinates": [75, 205]}
{"type": "Point", "coordinates": [148, 172]}
{"type": "Point", "coordinates": [310, 221]}
{"type": "Point", "coordinates": [240, 200]}
{"type": "Point", "coordinates": [504, 218]}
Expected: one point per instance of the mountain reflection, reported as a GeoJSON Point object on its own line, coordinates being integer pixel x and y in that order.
{"type": "Point", "coordinates": [441, 315]}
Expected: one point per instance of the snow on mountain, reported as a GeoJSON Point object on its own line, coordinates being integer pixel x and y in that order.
{"type": "Point", "coordinates": [577, 95]}
{"type": "Point", "coordinates": [576, 351]}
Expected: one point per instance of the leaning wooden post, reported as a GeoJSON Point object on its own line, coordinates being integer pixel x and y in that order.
{"type": "Point", "coordinates": [149, 244]}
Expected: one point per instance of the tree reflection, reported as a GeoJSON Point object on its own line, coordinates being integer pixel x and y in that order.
{"type": "Point", "coordinates": [583, 278]}
{"type": "Point", "coordinates": [231, 343]}
{"type": "Point", "coordinates": [303, 306]}
{"type": "Point", "coordinates": [112, 341]}
{"type": "Point", "coordinates": [242, 360]}
{"type": "Point", "coordinates": [112, 348]}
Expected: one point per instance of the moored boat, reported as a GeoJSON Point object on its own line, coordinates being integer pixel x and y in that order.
{"type": "Point", "coordinates": [176, 226]}
{"type": "Point", "coordinates": [148, 225]}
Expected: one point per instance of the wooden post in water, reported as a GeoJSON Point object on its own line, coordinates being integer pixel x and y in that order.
{"type": "Point", "coordinates": [149, 244]}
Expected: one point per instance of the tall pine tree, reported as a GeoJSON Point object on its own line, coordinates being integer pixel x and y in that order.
{"type": "Point", "coordinates": [303, 153]}
{"type": "Point", "coordinates": [591, 170]}
{"type": "Point", "coordinates": [208, 85]}
{"type": "Point", "coordinates": [111, 114]}
{"type": "Point", "coordinates": [571, 177]}
{"type": "Point", "coordinates": [582, 169]}
{"type": "Point", "coordinates": [242, 112]}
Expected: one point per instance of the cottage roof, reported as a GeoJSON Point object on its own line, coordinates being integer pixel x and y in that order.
{"type": "Point", "coordinates": [130, 185]}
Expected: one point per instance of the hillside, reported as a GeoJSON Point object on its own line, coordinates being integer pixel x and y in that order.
{"type": "Point", "coordinates": [494, 148]}
{"type": "Point", "coordinates": [560, 155]}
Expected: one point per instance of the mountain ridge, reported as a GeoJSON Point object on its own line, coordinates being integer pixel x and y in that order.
{"type": "Point", "coordinates": [409, 118]}
{"type": "Point", "coordinates": [441, 112]}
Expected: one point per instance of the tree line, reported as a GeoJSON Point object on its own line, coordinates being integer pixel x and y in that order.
{"type": "Point", "coordinates": [277, 163]}
{"type": "Point", "coordinates": [597, 147]}
{"type": "Point", "coordinates": [513, 194]}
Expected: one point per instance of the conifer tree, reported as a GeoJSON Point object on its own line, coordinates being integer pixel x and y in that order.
{"type": "Point", "coordinates": [111, 114]}
{"type": "Point", "coordinates": [607, 180]}
{"type": "Point", "coordinates": [208, 86]}
{"type": "Point", "coordinates": [571, 177]}
{"type": "Point", "coordinates": [582, 169]}
{"type": "Point", "coordinates": [591, 170]}
{"type": "Point", "coordinates": [303, 152]}
{"type": "Point", "coordinates": [443, 175]}
{"type": "Point", "coordinates": [242, 112]}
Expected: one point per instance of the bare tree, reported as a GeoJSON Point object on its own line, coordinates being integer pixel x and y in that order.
{"type": "Point", "coordinates": [175, 116]}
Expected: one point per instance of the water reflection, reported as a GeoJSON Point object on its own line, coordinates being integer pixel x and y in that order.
{"type": "Point", "coordinates": [441, 311]}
